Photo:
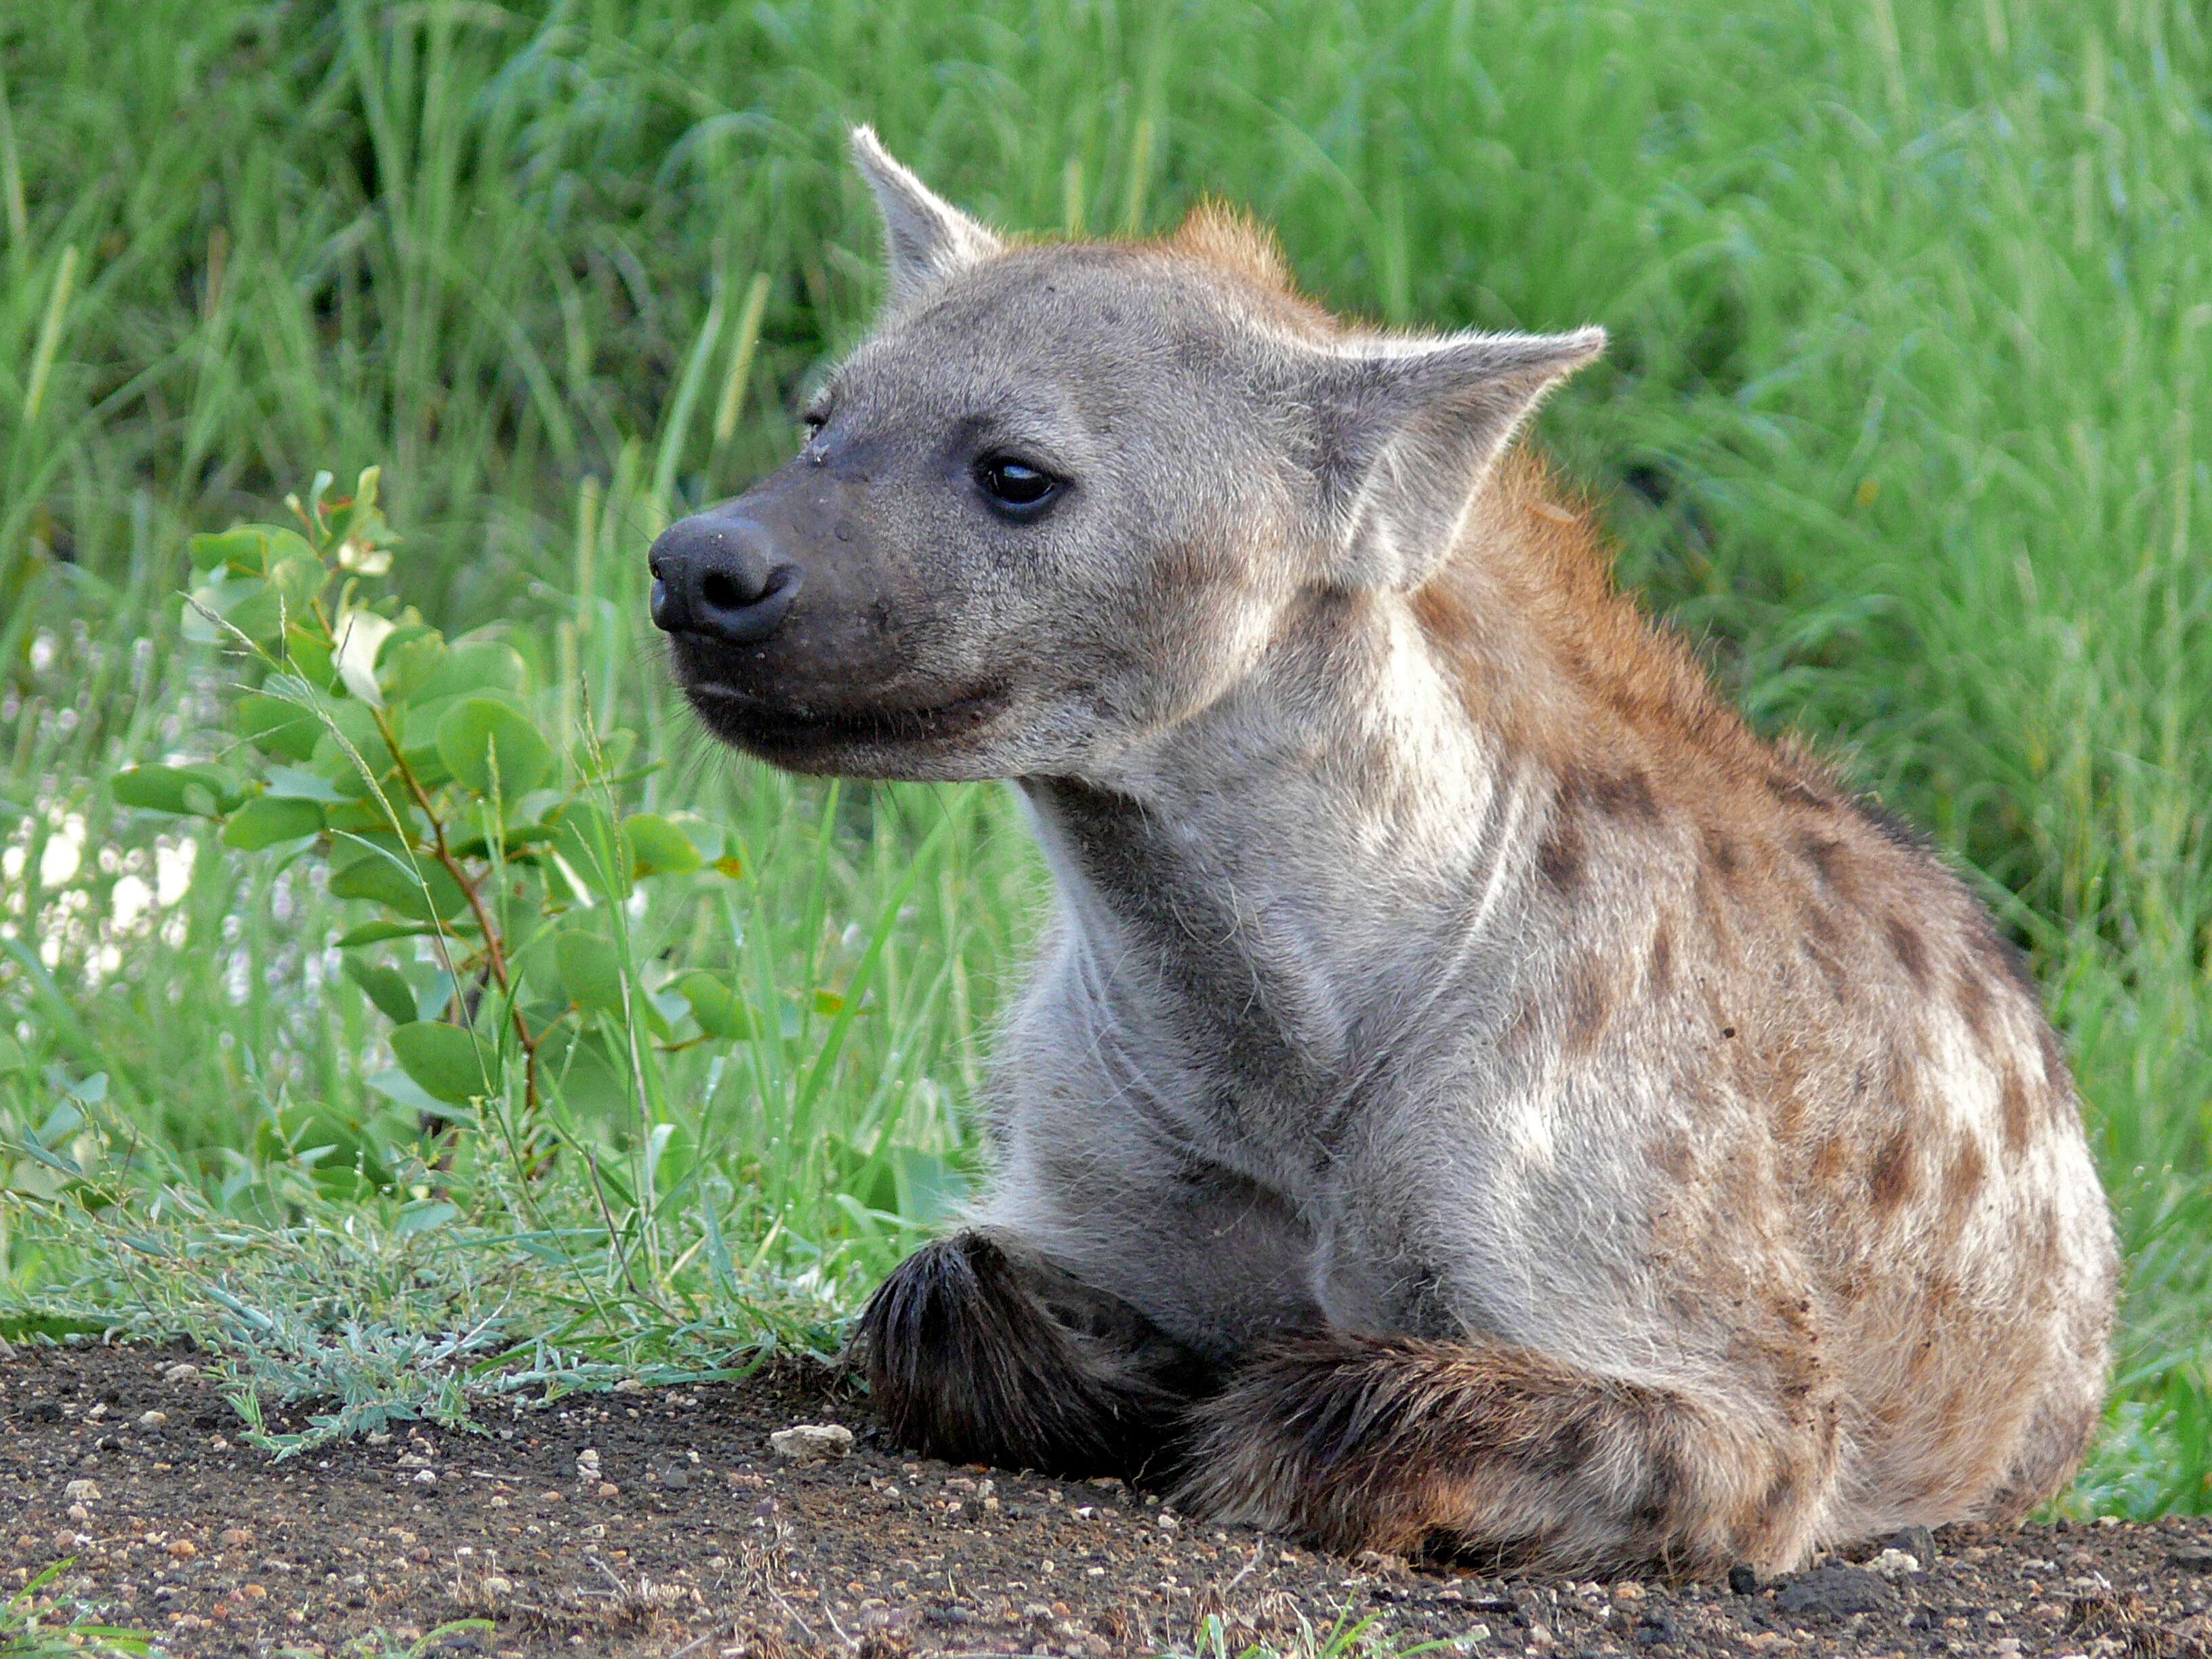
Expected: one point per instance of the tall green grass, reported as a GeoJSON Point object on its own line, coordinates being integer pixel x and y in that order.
{"type": "Point", "coordinates": [1906, 418]}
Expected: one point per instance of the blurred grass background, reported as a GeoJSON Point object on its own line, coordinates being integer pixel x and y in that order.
{"type": "Point", "coordinates": [1905, 419]}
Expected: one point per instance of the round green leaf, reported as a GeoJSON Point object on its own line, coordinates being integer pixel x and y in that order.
{"type": "Point", "coordinates": [241, 547]}
{"type": "Point", "coordinates": [658, 847]}
{"type": "Point", "coordinates": [356, 723]}
{"type": "Point", "coordinates": [590, 971]}
{"type": "Point", "coordinates": [385, 878]}
{"type": "Point", "coordinates": [715, 1007]}
{"type": "Point", "coordinates": [481, 739]}
{"type": "Point", "coordinates": [409, 658]}
{"type": "Point", "coordinates": [267, 820]}
{"type": "Point", "coordinates": [471, 665]}
{"type": "Point", "coordinates": [446, 1061]}
{"type": "Point", "coordinates": [187, 791]}
{"type": "Point", "coordinates": [277, 725]}
{"type": "Point", "coordinates": [386, 986]}
{"type": "Point", "coordinates": [309, 650]}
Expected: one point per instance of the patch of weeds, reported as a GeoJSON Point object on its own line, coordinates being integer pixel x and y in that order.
{"type": "Point", "coordinates": [1221, 1636]}
{"type": "Point", "coordinates": [378, 1645]}
{"type": "Point", "coordinates": [37, 1623]}
{"type": "Point", "coordinates": [376, 1325]}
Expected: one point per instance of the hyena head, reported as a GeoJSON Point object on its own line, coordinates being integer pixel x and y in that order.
{"type": "Point", "coordinates": [1066, 495]}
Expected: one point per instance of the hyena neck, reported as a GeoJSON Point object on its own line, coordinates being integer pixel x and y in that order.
{"type": "Point", "coordinates": [1288, 877]}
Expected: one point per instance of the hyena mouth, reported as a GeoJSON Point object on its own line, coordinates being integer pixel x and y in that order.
{"type": "Point", "coordinates": [773, 728]}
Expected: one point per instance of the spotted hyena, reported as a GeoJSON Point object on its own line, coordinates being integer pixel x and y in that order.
{"type": "Point", "coordinates": [1476, 1097]}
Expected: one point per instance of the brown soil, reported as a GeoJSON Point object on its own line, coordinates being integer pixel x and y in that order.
{"type": "Point", "coordinates": [690, 1536]}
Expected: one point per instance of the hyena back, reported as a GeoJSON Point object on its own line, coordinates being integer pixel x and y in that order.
{"type": "Point", "coordinates": [1476, 1097]}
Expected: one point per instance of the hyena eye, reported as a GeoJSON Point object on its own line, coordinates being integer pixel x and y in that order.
{"type": "Point", "coordinates": [1015, 488]}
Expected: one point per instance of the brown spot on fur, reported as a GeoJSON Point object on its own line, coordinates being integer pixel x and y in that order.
{"type": "Point", "coordinates": [2015, 1110]}
{"type": "Point", "coordinates": [1827, 857]}
{"type": "Point", "coordinates": [1625, 794]}
{"type": "Point", "coordinates": [1560, 855]}
{"type": "Point", "coordinates": [1589, 1008]}
{"type": "Point", "coordinates": [1832, 1162]}
{"type": "Point", "coordinates": [1890, 1177]}
{"type": "Point", "coordinates": [1522, 1027]}
{"type": "Point", "coordinates": [1973, 994]}
{"type": "Point", "coordinates": [1660, 971]}
{"type": "Point", "coordinates": [1941, 1292]}
{"type": "Point", "coordinates": [1962, 1184]}
{"type": "Point", "coordinates": [1821, 947]}
{"type": "Point", "coordinates": [1908, 948]}
{"type": "Point", "coordinates": [1722, 852]}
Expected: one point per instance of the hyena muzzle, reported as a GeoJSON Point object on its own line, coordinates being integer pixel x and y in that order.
{"type": "Point", "coordinates": [1476, 1098]}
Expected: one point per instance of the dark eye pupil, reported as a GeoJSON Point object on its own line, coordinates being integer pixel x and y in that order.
{"type": "Point", "coordinates": [1014, 483]}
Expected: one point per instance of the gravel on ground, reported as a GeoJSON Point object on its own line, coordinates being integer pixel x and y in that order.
{"type": "Point", "coordinates": [691, 1522]}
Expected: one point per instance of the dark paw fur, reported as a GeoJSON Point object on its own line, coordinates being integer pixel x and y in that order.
{"type": "Point", "coordinates": [966, 1363]}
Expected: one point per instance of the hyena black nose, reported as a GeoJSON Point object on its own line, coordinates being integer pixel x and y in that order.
{"type": "Point", "coordinates": [720, 575]}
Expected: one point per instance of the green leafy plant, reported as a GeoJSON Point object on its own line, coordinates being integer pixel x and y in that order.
{"type": "Point", "coordinates": [482, 823]}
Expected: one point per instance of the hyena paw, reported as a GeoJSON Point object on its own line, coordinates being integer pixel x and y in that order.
{"type": "Point", "coordinates": [966, 1363]}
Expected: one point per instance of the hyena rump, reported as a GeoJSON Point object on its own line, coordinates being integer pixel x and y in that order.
{"type": "Point", "coordinates": [1477, 1098]}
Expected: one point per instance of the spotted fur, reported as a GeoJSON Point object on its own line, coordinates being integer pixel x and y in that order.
{"type": "Point", "coordinates": [1477, 1097]}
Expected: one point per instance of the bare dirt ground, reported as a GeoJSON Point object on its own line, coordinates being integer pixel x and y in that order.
{"type": "Point", "coordinates": [664, 1524]}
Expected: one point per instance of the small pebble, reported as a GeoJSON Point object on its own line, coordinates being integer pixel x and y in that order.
{"type": "Point", "coordinates": [183, 1549]}
{"type": "Point", "coordinates": [152, 1420]}
{"type": "Point", "coordinates": [1917, 1541]}
{"type": "Point", "coordinates": [1893, 1564]}
{"type": "Point", "coordinates": [808, 1442]}
{"type": "Point", "coordinates": [183, 1371]}
{"type": "Point", "coordinates": [1742, 1581]}
{"type": "Point", "coordinates": [82, 1492]}
{"type": "Point", "coordinates": [608, 1489]}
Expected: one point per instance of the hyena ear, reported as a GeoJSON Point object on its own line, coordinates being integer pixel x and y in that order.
{"type": "Point", "coordinates": [925, 238]}
{"type": "Point", "coordinates": [1407, 431]}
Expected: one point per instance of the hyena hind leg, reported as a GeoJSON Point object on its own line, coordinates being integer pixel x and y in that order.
{"type": "Point", "coordinates": [978, 1351]}
{"type": "Point", "coordinates": [1495, 1454]}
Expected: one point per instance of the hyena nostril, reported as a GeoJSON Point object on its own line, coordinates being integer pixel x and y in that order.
{"type": "Point", "coordinates": [723, 591]}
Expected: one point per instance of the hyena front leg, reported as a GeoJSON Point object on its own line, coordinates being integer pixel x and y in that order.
{"type": "Point", "coordinates": [1494, 1453]}
{"type": "Point", "coordinates": [978, 1350]}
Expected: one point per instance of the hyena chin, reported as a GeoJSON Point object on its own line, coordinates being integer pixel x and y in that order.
{"type": "Point", "coordinates": [1477, 1100]}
